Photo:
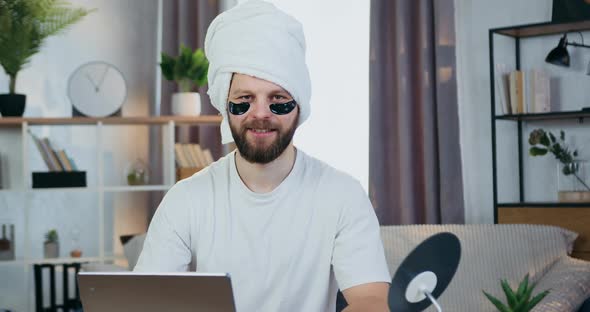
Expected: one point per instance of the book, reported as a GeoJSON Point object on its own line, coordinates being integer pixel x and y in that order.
{"type": "Point", "coordinates": [73, 164]}
{"type": "Point", "coordinates": [196, 160]}
{"type": "Point", "coordinates": [517, 92]}
{"type": "Point", "coordinates": [180, 157]}
{"type": "Point", "coordinates": [199, 152]}
{"type": "Point", "coordinates": [64, 160]}
{"type": "Point", "coordinates": [51, 154]}
{"type": "Point", "coordinates": [208, 156]}
{"type": "Point", "coordinates": [188, 155]}
{"type": "Point", "coordinates": [502, 89]}
{"type": "Point", "coordinates": [540, 91]}
{"type": "Point", "coordinates": [41, 150]}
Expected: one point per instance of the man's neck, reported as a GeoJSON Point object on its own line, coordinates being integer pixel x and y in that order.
{"type": "Point", "coordinates": [263, 178]}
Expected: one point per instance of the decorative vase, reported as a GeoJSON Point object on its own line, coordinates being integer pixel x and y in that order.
{"type": "Point", "coordinates": [138, 173]}
{"type": "Point", "coordinates": [51, 249]}
{"type": "Point", "coordinates": [186, 104]}
{"type": "Point", "coordinates": [573, 181]}
{"type": "Point", "coordinates": [12, 105]}
{"type": "Point", "coordinates": [7, 242]}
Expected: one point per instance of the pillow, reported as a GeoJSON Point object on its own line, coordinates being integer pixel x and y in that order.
{"type": "Point", "coordinates": [132, 246]}
{"type": "Point", "coordinates": [489, 252]}
{"type": "Point", "coordinates": [569, 283]}
{"type": "Point", "coordinates": [101, 267]}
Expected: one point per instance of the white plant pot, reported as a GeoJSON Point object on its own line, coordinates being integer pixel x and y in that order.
{"type": "Point", "coordinates": [186, 104]}
{"type": "Point", "coordinates": [51, 250]}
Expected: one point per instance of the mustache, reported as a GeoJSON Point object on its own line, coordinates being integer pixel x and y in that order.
{"type": "Point", "coordinates": [260, 124]}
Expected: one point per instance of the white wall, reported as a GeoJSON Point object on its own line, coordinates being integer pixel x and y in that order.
{"type": "Point", "coordinates": [569, 92]}
{"type": "Point", "coordinates": [119, 32]}
{"type": "Point", "coordinates": [337, 34]}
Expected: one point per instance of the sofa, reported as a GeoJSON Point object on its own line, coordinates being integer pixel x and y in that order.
{"type": "Point", "coordinates": [494, 252]}
{"type": "Point", "coordinates": [489, 253]}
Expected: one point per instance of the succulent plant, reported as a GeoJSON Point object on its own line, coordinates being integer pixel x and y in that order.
{"type": "Point", "coordinates": [519, 300]}
{"type": "Point", "coordinates": [51, 236]}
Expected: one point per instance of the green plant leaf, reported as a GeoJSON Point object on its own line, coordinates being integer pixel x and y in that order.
{"type": "Point", "coordinates": [497, 303]}
{"type": "Point", "coordinates": [567, 170]}
{"type": "Point", "coordinates": [167, 66]}
{"type": "Point", "coordinates": [523, 286]}
{"type": "Point", "coordinates": [24, 26]}
{"type": "Point", "coordinates": [552, 137]}
{"type": "Point", "coordinates": [537, 151]}
{"type": "Point", "coordinates": [189, 69]}
{"type": "Point", "coordinates": [524, 299]}
{"type": "Point", "coordinates": [545, 140]}
{"type": "Point", "coordinates": [510, 295]}
{"type": "Point", "coordinates": [51, 236]}
{"type": "Point", "coordinates": [536, 300]}
{"type": "Point", "coordinates": [562, 135]}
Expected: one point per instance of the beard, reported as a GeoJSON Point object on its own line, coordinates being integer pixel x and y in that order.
{"type": "Point", "coordinates": [258, 150]}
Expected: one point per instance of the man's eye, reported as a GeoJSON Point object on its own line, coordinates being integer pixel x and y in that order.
{"type": "Point", "coordinates": [245, 97]}
{"type": "Point", "coordinates": [278, 97]}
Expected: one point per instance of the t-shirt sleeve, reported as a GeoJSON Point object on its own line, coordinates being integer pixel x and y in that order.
{"type": "Point", "coordinates": [167, 244]}
{"type": "Point", "coordinates": [358, 256]}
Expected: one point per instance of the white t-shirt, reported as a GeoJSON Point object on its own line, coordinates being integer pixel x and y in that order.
{"type": "Point", "coordinates": [286, 250]}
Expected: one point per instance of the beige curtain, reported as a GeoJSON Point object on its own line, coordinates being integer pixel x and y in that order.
{"type": "Point", "coordinates": [415, 164]}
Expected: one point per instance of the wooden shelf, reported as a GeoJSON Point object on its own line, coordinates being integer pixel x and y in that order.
{"type": "Point", "coordinates": [156, 120]}
{"type": "Point", "coordinates": [542, 205]}
{"type": "Point", "coordinates": [63, 189]}
{"type": "Point", "coordinates": [137, 188]}
{"type": "Point", "coordinates": [572, 218]}
{"type": "Point", "coordinates": [57, 260]}
{"type": "Point", "coordinates": [581, 114]}
{"type": "Point", "coordinates": [541, 29]}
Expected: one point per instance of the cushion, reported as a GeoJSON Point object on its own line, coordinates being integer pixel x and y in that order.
{"type": "Point", "coordinates": [101, 267]}
{"type": "Point", "coordinates": [489, 253]}
{"type": "Point", "coordinates": [569, 284]}
{"type": "Point", "coordinates": [132, 247]}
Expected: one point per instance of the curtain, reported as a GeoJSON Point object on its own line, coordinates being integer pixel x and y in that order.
{"type": "Point", "coordinates": [183, 22]}
{"type": "Point", "coordinates": [415, 161]}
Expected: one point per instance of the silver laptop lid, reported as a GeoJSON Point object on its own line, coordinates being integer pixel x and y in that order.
{"type": "Point", "coordinates": [151, 292]}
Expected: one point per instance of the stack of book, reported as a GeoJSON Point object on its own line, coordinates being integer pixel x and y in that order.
{"type": "Point", "coordinates": [56, 160]}
{"type": "Point", "coordinates": [190, 158]}
{"type": "Point", "coordinates": [522, 92]}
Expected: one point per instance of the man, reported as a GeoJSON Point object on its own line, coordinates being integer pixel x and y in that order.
{"type": "Point", "coordinates": [288, 228]}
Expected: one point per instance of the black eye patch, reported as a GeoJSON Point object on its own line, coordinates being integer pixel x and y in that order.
{"type": "Point", "coordinates": [238, 108]}
{"type": "Point", "coordinates": [275, 108]}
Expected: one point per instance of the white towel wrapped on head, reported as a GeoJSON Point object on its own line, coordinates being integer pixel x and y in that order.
{"type": "Point", "coordinates": [256, 39]}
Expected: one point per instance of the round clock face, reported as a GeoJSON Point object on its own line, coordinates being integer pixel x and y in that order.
{"type": "Point", "coordinates": [97, 89]}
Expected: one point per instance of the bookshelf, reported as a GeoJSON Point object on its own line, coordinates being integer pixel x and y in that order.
{"type": "Point", "coordinates": [523, 208]}
{"type": "Point", "coordinates": [27, 203]}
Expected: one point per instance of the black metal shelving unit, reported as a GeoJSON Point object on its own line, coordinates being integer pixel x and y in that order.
{"type": "Point", "coordinates": [517, 33]}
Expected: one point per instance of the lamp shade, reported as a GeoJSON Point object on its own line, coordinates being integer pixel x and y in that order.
{"type": "Point", "coordinates": [431, 267]}
{"type": "Point", "coordinates": [559, 55]}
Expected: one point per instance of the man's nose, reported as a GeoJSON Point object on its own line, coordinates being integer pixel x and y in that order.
{"type": "Point", "coordinates": [260, 109]}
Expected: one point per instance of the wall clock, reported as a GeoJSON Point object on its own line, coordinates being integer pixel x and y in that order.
{"type": "Point", "coordinates": [97, 89]}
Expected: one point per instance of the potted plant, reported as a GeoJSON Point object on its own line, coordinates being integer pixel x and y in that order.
{"type": "Point", "coordinates": [24, 26]}
{"type": "Point", "coordinates": [543, 142]}
{"type": "Point", "coordinates": [189, 71]}
{"type": "Point", "coordinates": [519, 300]}
{"type": "Point", "coordinates": [51, 244]}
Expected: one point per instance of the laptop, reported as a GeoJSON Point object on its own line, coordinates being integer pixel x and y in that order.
{"type": "Point", "coordinates": [151, 292]}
